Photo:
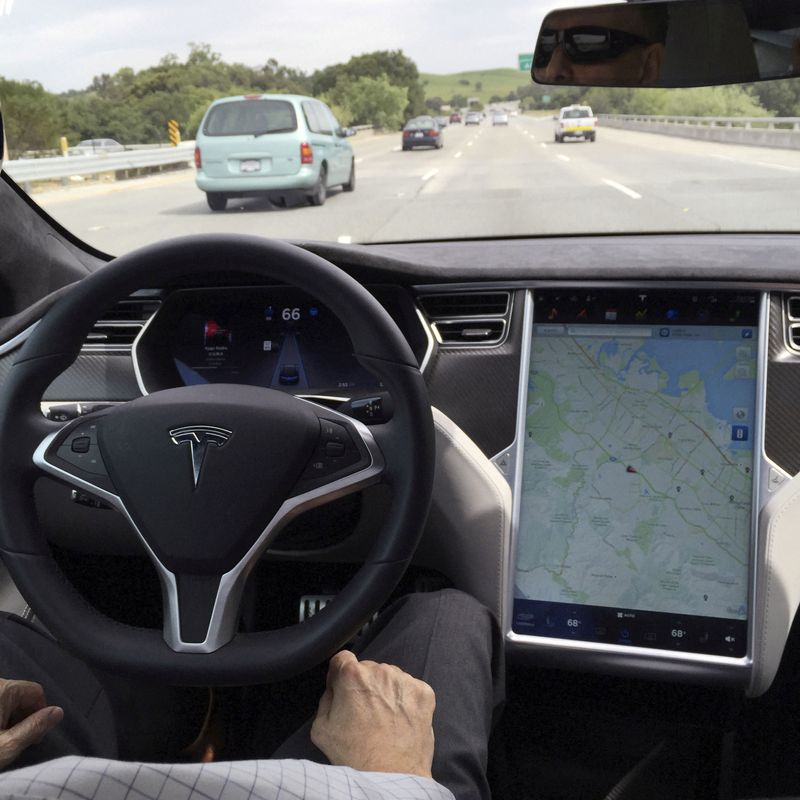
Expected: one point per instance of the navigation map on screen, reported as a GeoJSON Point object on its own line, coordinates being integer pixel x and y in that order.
{"type": "Point", "coordinates": [637, 481]}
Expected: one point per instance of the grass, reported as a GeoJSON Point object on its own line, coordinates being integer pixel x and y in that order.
{"type": "Point", "coordinates": [493, 82]}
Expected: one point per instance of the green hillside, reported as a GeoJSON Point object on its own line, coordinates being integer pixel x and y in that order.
{"type": "Point", "coordinates": [493, 82]}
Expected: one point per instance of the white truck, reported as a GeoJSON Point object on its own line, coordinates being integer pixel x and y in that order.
{"type": "Point", "coordinates": [576, 121]}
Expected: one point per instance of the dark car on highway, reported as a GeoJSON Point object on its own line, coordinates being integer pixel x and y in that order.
{"type": "Point", "coordinates": [422, 132]}
{"type": "Point", "coordinates": [455, 117]}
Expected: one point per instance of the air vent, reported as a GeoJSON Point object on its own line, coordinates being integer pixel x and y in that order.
{"type": "Point", "coordinates": [117, 329]}
{"type": "Point", "coordinates": [468, 319]}
{"type": "Point", "coordinates": [471, 332]}
{"type": "Point", "coordinates": [794, 336]}
{"type": "Point", "coordinates": [793, 307]}
{"type": "Point", "coordinates": [465, 304]}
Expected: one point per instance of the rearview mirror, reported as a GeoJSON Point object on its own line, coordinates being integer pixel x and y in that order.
{"type": "Point", "coordinates": [668, 44]}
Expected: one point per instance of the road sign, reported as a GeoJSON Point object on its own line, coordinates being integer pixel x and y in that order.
{"type": "Point", "coordinates": [525, 61]}
{"type": "Point", "coordinates": [174, 132]}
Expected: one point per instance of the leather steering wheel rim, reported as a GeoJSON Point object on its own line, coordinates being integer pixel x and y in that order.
{"type": "Point", "coordinates": [406, 443]}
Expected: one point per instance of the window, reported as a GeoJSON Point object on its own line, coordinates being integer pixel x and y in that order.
{"type": "Point", "coordinates": [242, 117]}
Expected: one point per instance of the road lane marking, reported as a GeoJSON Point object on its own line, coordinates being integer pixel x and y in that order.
{"type": "Point", "coordinates": [428, 175]}
{"type": "Point", "coordinates": [776, 166]}
{"type": "Point", "coordinates": [345, 240]}
{"type": "Point", "coordinates": [469, 144]}
{"type": "Point", "coordinates": [359, 160]}
{"type": "Point", "coordinates": [458, 154]}
{"type": "Point", "coordinates": [531, 135]}
{"type": "Point", "coordinates": [562, 157]}
{"type": "Point", "coordinates": [755, 163]}
{"type": "Point", "coordinates": [396, 149]}
{"type": "Point", "coordinates": [96, 228]}
{"type": "Point", "coordinates": [543, 145]}
{"type": "Point", "coordinates": [624, 189]}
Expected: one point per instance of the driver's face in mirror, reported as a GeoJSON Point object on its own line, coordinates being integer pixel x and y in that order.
{"type": "Point", "coordinates": [602, 46]}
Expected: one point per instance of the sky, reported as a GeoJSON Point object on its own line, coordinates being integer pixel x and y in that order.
{"type": "Point", "coordinates": [63, 45]}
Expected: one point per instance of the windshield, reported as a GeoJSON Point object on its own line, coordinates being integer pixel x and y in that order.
{"type": "Point", "coordinates": [137, 122]}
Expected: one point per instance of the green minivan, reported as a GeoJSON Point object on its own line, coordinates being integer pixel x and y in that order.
{"type": "Point", "coordinates": [274, 145]}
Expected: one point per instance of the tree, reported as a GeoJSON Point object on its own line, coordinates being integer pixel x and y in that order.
{"type": "Point", "coordinates": [478, 85]}
{"type": "Point", "coordinates": [434, 103]}
{"type": "Point", "coordinates": [32, 116]}
{"type": "Point", "coordinates": [495, 98]}
{"type": "Point", "coordinates": [398, 69]}
{"type": "Point", "coordinates": [781, 98]}
{"type": "Point", "coordinates": [463, 82]}
{"type": "Point", "coordinates": [368, 101]}
{"type": "Point", "coordinates": [458, 101]}
{"type": "Point", "coordinates": [135, 106]}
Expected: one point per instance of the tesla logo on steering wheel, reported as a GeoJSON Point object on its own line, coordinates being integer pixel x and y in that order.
{"type": "Point", "coordinates": [199, 438]}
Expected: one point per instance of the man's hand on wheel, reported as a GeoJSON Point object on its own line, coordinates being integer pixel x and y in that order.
{"type": "Point", "coordinates": [375, 718]}
{"type": "Point", "coordinates": [25, 718]}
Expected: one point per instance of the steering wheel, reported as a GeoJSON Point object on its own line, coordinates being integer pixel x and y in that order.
{"type": "Point", "coordinates": [208, 475]}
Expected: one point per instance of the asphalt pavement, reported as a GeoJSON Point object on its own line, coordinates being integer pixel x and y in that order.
{"type": "Point", "coordinates": [486, 181]}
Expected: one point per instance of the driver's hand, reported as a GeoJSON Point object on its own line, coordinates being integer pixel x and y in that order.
{"type": "Point", "coordinates": [25, 718]}
{"type": "Point", "coordinates": [375, 718]}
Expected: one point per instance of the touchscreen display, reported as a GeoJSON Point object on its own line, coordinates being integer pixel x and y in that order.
{"type": "Point", "coordinates": [636, 480]}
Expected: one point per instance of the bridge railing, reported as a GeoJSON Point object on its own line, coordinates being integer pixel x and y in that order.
{"type": "Point", "coordinates": [781, 132]}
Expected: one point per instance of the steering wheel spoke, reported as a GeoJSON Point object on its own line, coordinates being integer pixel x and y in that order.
{"type": "Point", "coordinates": [346, 458]}
{"type": "Point", "coordinates": [72, 454]}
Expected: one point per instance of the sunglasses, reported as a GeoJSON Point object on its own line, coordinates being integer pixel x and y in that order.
{"type": "Point", "coordinates": [585, 45]}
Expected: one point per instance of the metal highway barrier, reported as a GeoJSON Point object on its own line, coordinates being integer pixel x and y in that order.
{"type": "Point", "coordinates": [26, 171]}
{"type": "Point", "coordinates": [781, 132]}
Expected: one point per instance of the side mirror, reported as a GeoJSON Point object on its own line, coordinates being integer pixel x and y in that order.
{"type": "Point", "coordinates": [668, 44]}
{"type": "Point", "coordinates": [348, 132]}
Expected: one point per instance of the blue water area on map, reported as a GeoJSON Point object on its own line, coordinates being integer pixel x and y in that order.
{"type": "Point", "coordinates": [711, 358]}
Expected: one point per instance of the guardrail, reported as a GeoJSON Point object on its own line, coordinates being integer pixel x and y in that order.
{"type": "Point", "coordinates": [780, 132]}
{"type": "Point", "coordinates": [26, 171]}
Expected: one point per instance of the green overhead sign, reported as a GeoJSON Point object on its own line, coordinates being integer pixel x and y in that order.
{"type": "Point", "coordinates": [525, 61]}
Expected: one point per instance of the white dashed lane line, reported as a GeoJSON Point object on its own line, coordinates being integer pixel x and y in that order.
{"type": "Point", "coordinates": [428, 175]}
{"type": "Point", "coordinates": [359, 160]}
{"type": "Point", "coordinates": [624, 189]}
{"type": "Point", "coordinates": [458, 154]}
{"type": "Point", "coordinates": [397, 149]}
{"type": "Point", "coordinates": [562, 157]}
{"type": "Point", "coordinates": [345, 240]}
{"type": "Point", "coordinates": [543, 145]}
{"type": "Point", "coordinates": [768, 164]}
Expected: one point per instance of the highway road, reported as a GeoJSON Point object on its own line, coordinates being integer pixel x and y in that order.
{"type": "Point", "coordinates": [486, 181]}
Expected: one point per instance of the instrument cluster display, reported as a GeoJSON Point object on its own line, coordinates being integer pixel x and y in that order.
{"type": "Point", "coordinates": [275, 337]}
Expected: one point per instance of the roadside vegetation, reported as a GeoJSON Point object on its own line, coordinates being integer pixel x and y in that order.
{"type": "Point", "coordinates": [382, 89]}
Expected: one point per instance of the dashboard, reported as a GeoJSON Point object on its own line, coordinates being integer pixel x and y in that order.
{"type": "Point", "coordinates": [628, 438]}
